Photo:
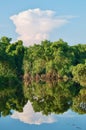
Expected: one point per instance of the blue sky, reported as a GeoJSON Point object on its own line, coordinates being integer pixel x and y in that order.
{"type": "Point", "coordinates": [67, 23]}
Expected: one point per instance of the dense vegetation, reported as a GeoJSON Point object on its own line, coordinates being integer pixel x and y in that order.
{"type": "Point", "coordinates": [11, 60]}
{"type": "Point", "coordinates": [46, 97]}
{"type": "Point", "coordinates": [56, 97]}
{"type": "Point", "coordinates": [11, 98]}
{"type": "Point", "coordinates": [46, 63]}
{"type": "Point", "coordinates": [49, 60]}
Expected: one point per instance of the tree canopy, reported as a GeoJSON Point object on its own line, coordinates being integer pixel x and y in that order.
{"type": "Point", "coordinates": [48, 60]}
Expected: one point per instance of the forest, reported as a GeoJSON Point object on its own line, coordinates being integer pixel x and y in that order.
{"type": "Point", "coordinates": [51, 75]}
{"type": "Point", "coordinates": [45, 61]}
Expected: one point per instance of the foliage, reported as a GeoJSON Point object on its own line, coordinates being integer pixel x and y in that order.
{"type": "Point", "coordinates": [79, 102]}
{"type": "Point", "coordinates": [54, 59]}
{"type": "Point", "coordinates": [55, 97]}
{"type": "Point", "coordinates": [48, 60]}
{"type": "Point", "coordinates": [11, 58]}
{"type": "Point", "coordinates": [79, 73]}
{"type": "Point", "coordinates": [11, 98]}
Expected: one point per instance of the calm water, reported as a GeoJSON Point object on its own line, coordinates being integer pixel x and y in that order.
{"type": "Point", "coordinates": [42, 106]}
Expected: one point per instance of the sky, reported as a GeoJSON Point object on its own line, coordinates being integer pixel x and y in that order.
{"type": "Point", "coordinates": [35, 20]}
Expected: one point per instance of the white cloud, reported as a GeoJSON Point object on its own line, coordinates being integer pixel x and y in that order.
{"type": "Point", "coordinates": [35, 25]}
{"type": "Point", "coordinates": [29, 116]}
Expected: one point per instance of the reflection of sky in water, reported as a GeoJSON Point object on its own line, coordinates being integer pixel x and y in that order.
{"type": "Point", "coordinates": [29, 120]}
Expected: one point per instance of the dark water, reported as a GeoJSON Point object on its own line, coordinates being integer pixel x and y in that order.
{"type": "Point", "coordinates": [43, 105]}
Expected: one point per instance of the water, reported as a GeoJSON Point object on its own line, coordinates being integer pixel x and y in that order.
{"type": "Point", "coordinates": [44, 105]}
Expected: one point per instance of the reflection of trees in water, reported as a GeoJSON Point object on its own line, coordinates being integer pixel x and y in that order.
{"type": "Point", "coordinates": [55, 97]}
{"type": "Point", "coordinates": [11, 97]}
{"type": "Point", "coordinates": [79, 102]}
{"type": "Point", "coordinates": [46, 97]}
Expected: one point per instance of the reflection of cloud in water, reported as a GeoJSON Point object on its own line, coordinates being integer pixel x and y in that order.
{"type": "Point", "coordinates": [29, 116]}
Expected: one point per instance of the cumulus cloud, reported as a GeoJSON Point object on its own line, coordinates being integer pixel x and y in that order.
{"type": "Point", "coordinates": [35, 25]}
{"type": "Point", "coordinates": [29, 116]}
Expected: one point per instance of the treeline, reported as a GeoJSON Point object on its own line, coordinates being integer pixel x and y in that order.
{"type": "Point", "coordinates": [53, 60]}
{"type": "Point", "coordinates": [11, 60]}
{"type": "Point", "coordinates": [47, 60]}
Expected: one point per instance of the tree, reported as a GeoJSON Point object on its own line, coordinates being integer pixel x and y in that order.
{"type": "Point", "coordinates": [79, 73]}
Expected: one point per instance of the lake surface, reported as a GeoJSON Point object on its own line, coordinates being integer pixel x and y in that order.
{"type": "Point", "coordinates": [43, 105]}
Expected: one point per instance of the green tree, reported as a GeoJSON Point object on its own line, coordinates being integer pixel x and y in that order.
{"type": "Point", "coordinates": [79, 73]}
